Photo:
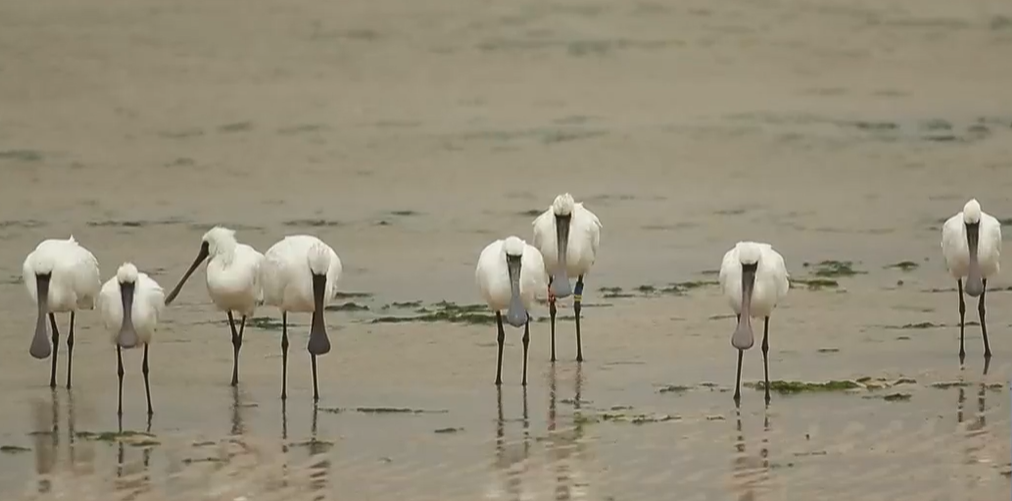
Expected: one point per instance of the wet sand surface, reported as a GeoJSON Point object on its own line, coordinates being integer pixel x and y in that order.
{"type": "Point", "coordinates": [410, 134]}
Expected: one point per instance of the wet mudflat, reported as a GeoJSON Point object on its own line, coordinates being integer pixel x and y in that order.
{"type": "Point", "coordinates": [410, 135]}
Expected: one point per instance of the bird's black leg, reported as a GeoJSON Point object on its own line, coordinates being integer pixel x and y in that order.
{"type": "Point", "coordinates": [962, 317]}
{"type": "Point", "coordinates": [236, 344]}
{"type": "Point", "coordinates": [983, 324]}
{"type": "Point", "coordinates": [737, 380]}
{"type": "Point", "coordinates": [502, 339]}
{"type": "Point", "coordinates": [551, 312]}
{"type": "Point", "coordinates": [284, 355]}
{"type": "Point", "coordinates": [527, 341]}
{"type": "Point", "coordinates": [56, 349]}
{"type": "Point", "coordinates": [766, 362]}
{"type": "Point", "coordinates": [316, 388]}
{"type": "Point", "coordinates": [147, 386]}
{"type": "Point", "coordinates": [70, 349]}
{"type": "Point", "coordinates": [577, 298]}
{"type": "Point", "coordinates": [119, 372]}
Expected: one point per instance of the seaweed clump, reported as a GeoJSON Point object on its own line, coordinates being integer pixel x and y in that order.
{"type": "Point", "coordinates": [794, 387]}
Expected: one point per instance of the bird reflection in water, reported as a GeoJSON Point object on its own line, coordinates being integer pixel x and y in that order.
{"type": "Point", "coordinates": [319, 467]}
{"type": "Point", "coordinates": [134, 477]}
{"type": "Point", "coordinates": [566, 445]}
{"type": "Point", "coordinates": [47, 438]}
{"type": "Point", "coordinates": [976, 432]}
{"type": "Point", "coordinates": [750, 472]}
{"type": "Point", "coordinates": [511, 458]}
{"type": "Point", "coordinates": [46, 418]}
{"type": "Point", "coordinates": [238, 427]}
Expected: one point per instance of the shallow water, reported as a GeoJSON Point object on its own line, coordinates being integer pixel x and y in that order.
{"type": "Point", "coordinates": [409, 135]}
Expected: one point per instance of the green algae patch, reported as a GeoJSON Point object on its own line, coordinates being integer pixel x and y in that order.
{"type": "Point", "coordinates": [621, 417]}
{"type": "Point", "coordinates": [614, 292]}
{"type": "Point", "coordinates": [794, 387]}
{"type": "Point", "coordinates": [349, 306]}
{"type": "Point", "coordinates": [674, 388]}
{"type": "Point", "coordinates": [445, 431]}
{"type": "Point", "coordinates": [134, 438]}
{"type": "Point", "coordinates": [904, 266]}
{"type": "Point", "coordinates": [891, 397]}
{"type": "Point", "coordinates": [13, 449]}
{"type": "Point", "coordinates": [815, 284]}
{"type": "Point", "coordinates": [833, 268]}
{"type": "Point", "coordinates": [443, 311]}
{"type": "Point", "coordinates": [944, 385]}
{"type": "Point", "coordinates": [265, 323]}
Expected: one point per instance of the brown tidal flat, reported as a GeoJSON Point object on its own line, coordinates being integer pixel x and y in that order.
{"type": "Point", "coordinates": [408, 135]}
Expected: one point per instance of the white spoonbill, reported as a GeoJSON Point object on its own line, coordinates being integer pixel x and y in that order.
{"type": "Point", "coordinates": [61, 276]}
{"type": "Point", "coordinates": [568, 235]}
{"type": "Point", "coordinates": [233, 281]}
{"type": "Point", "coordinates": [753, 278]}
{"type": "Point", "coordinates": [130, 304]}
{"type": "Point", "coordinates": [300, 274]}
{"type": "Point", "coordinates": [509, 274]}
{"type": "Point", "coordinates": [971, 244]}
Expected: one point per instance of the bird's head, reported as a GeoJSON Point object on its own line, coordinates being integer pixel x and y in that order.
{"type": "Point", "coordinates": [748, 253]}
{"type": "Point", "coordinates": [513, 247]}
{"type": "Point", "coordinates": [126, 274]}
{"type": "Point", "coordinates": [218, 239]}
{"type": "Point", "coordinates": [971, 212]}
{"type": "Point", "coordinates": [563, 205]}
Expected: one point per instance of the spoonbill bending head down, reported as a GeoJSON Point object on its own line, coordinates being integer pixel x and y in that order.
{"type": "Point", "coordinates": [509, 274]}
{"type": "Point", "coordinates": [61, 276]}
{"type": "Point", "coordinates": [568, 235]}
{"type": "Point", "coordinates": [130, 304]}
{"type": "Point", "coordinates": [300, 274]}
{"type": "Point", "coordinates": [233, 281]}
{"type": "Point", "coordinates": [754, 279]}
{"type": "Point", "coordinates": [971, 244]}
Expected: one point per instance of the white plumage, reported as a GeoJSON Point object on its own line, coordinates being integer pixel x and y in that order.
{"type": "Point", "coordinates": [971, 246]}
{"type": "Point", "coordinates": [753, 279]}
{"type": "Point", "coordinates": [509, 274]}
{"type": "Point", "coordinates": [233, 273]}
{"type": "Point", "coordinates": [956, 250]}
{"type": "Point", "coordinates": [130, 304]}
{"type": "Point", "coordinates": [233, 281]}
{"type": "Point", "coordinates": [771, 278]}
{"type": "Point", "coordinates": [583, 242]}
{"type": "Point", "coordinates": [287, 277]}
{"type": "Point", "coordinates": [300, 274]}
{"type": "Point", "coordinates": [68, 275]}
{"type": "Point", "coordinates": [147, 304]}
{"type": "Point", "coordinates": [568, 236]}
{"type": "Point", "coordinates": [492, 274]}
{"type": "Point", "coordinates": [75, 278]}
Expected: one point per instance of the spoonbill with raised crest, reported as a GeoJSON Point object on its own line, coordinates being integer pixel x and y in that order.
{"type": "Point", "coordinates": [300, 274]}
{"type": "Point", "coordinates": [61, 276]}
{"type": "Point", "coordinates": [233, 281]}
{"type": "Point", "coordinates": [971, 245]}
{"type": "Point", "coordinates": [753, 278]}
{"type": "Point", "coordinates": [131, 303]}
{"type": "Point", "coordinates": [568, 235]}
{"type": "Point", "coordinates": [509, 274]}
